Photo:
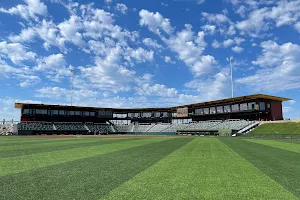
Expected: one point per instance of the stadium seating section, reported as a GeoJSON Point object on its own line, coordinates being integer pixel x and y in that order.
{"type": "Point", "coordinates": [216, 125]}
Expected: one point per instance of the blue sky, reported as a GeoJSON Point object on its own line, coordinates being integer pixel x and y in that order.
{"type": "Point", "coordinates": [147, 53]}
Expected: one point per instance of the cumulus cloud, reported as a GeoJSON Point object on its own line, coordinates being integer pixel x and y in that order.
{"type": "Point", "coordinates": [168, 59]}
{"type": "Point", "coordinates": [237, 49]}
{"type": "Point", "coordinates": [218, 23]}
{"type": "Point", "coordinates": [29, 11]}
{"type": "Point", "coordinates": [121, 8]}
{"type": "Point", "coordinates": [263, 19]}
{"type": "Point", "coordinates": [26, 35]}
{"type": "Point", "coordinates": [155, 22]}
{"type": "Point", "coordinates": [16, 52]}
{"type": "Point", "coordinates": [280, 69]}
{"type": "Point", "coordinates": [215, 44]}
{"type": "Point", "coordinates": [213, 88]}
{"type": "Point", "coordinates": [210, 29]}
{"type": "Point", "coordinates": [152, 43]}
{"type": "Point", "coordinates": [188, 46]}
{"type": "Point", "coordinates": [108, 74]}
{"type": "Point", "coordinates": [141, 55]}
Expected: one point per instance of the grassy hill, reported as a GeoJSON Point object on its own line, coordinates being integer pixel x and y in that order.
{"type": "Point", "coordinates": [277, 128]}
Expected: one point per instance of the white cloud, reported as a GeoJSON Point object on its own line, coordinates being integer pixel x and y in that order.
{"type": "Point", "coordinates": [211, 29]}
{"type": "Point", "coordinates": [16, 52]}
{"type": "Point", "coordinates": [168, 59]}
{"type": "Point", "coordinates": [51, 62]}
{"type": "Point", "coordinates": [237, 49]}
{"type": "Point", "coordinates": [69, 29]}
{"type": "Point", "coordinates": [262, 19]}
{"type": "Point", "coordinates": [49, 32]}
{"type": "Point", "coordinates": [23, 74]}
{"type": "Point", "coordinates": [204, 66]}
{"type": "Point", "coordinates": [188, 46]}
{"type": "Point", "coordinates": [156, 90]}
{"type": "Point", "coordinates": [200, 1]}
{"type": "Point", "coordinates": [228, 43]}
{"type": "Point", "coordinates": [280, 68]}
{"type": "Point", "coordinates": [141, 55]}
{"type": "Point", "coordinates": [145, 87]}
{"type": "Point", "coordinates": [164, 4]}
{"type": "Point", "coordinates": [213, 88]}
{"type": "Point", "coordinates": [122, 8]}
{"type": "Point", "coordinates": [218, 23]}
{"type": "Point", "coordinates": [215, 44]}
{"type": "Point", "coordinates": [155, 22]}
{"type": "Point", "coordinates": [152, 43]}
{"type": "Point", "coordinates": [216, 18]}
{"type": "Point", "coordinates": [108, 74]}
{"type": "Point", "coordinates": [26, 35]}
{"type": "Point", "coordinates": [58, 93]}
{"type": "Point", "coordinates": [29, 11]}
{"type": "Point", "coordinates": [292, 102]}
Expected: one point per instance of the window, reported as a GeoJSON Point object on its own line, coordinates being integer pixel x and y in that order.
{"type": "Point", "coordinates": [77, 113]}
{"type": "Point", "coordinates": [54, 112]}
{"type": "Point", "coordinates": [86, 113]}
{"type": "Point", "coordinates": [72, 113]}
{"type": "Point", "coordinates": [206, 111]}
{"type": "Point", "coordinates": [199, 111]}
{"type": "Point", "coordinates": [61, 112]}
{"type": "Point", "coordinates": [243, 106]}
{"type": "Point", "coordinates": [26, 111]}
{"type": "Point", "coordinates": [227, 109]}
{"type": "Point", "coordinates": [212, 110]}
{"type": "Point", "coordinates": [40, 112]}
{"type": "Point", "coordinates": [251, 106]}
{"type": "Point", "coordinates": [92, 114]}
{"type": "Point", "coordinates": [220, 109]}
{"type": "Point", "coordinates": [262, 106]}
{"type": "Point", "coordinates": [235, 108]}
{"type": "Point", "coordinates": [268, 105]}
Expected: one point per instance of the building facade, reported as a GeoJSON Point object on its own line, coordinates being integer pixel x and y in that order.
{"type": "Point", "coordinates": [252, 107]}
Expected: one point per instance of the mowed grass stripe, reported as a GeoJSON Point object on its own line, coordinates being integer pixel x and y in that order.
{"type": "Point", "coordinates": [202, 169]}
{"type": "Point", "coordinates": [281, 165]}
{"type": "Point", "coordinates": [277, 144]}
{"type": "Point", "coordinates": [88, 178]}
{"type": "Point", "coordinates": [33, 161]}
{"type": "Point", "coordinates": [56, 143]}
{"type": "Point", "coordinates": [60, 146]}
{"type": "Point", "coordinates": [34, 141]}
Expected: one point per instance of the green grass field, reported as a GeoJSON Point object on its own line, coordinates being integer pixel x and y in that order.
{"type": "Point", "coordinates": [149, 168]}
{"type": "Point", "coordinates": [277, 129]}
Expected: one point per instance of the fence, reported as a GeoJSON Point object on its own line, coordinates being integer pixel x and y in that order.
{"type": "Point", "coordinates": [277, 135]}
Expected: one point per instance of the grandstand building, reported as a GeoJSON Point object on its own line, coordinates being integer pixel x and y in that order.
{"type": "Point", "coordinates": [56, 117]}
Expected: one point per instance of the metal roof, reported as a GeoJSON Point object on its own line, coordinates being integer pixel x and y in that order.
{"type": "Point", "coordinates": [222, 101]}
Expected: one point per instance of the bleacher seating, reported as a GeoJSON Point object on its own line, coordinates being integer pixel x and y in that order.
{"type": "Point", "coordinates": [142, 127]}
{"type": "Point", "coordinates": [233, 124]}
{"type": "Point", "coordinates": [175, 127]}
{"type": "Point", "coordinates": [136, 128]}
{"type": "Point", "coordinates": [102, 128]}
{"type": "Point", "coordinates": [35, 126]}
{"type": "Point", "coordinates": [123, 128]}
{"type": "Point", "coordinates": [67, 126]}
{"type": "Point", "coordinates": [159, 127]}
{"type": "Point", "coordinates": [203, 125]}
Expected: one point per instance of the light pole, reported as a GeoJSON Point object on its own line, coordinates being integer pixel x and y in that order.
{"type": "Point", "coordinates": [72, 80]}
{"type": "Point", "coordinates": [230, 59]}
